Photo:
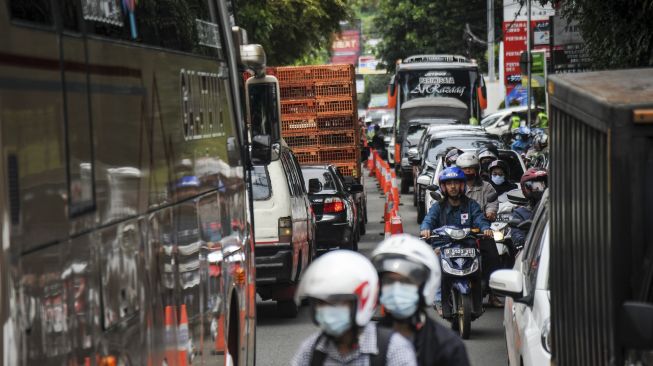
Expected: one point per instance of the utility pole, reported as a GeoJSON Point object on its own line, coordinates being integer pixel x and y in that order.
{"type": "Point", "coordinates": [490, 39]}
{"type": "Point", "coordinates": [528, 64]}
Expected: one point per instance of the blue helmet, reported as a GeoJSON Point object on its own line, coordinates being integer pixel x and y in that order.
{"type": "Point", "coordinates": [453, 173]}
{"type": "Point", "coordinates": [523, 130]}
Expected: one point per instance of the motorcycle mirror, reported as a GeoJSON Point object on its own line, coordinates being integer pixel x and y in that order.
{"type": "Point", "coordinates": [436, 196]}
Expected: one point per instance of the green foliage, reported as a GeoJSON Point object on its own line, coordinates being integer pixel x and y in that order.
{"type": "Point", "coordinates": [618, 33]}
{"type": "Point", "coordinates": [292, 31]}
{"type": "Point", "coordinates": [374, 84]}
{"type": "Point", "coordinates": [411, 27]}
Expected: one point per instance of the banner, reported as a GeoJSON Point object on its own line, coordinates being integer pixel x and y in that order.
{"type": "Point", "coordinates": [346, 47]}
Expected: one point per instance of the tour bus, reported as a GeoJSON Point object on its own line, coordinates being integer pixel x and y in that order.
{"type": "Point", "coordinates": [125, 198]}
{"type": "Point", "coordinates": [432, 76]}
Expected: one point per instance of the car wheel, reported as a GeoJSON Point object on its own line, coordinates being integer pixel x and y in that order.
{"type": "Point", "coordinates": [361, 225]}
{"type": "Point", "coordinates": [287, 308]}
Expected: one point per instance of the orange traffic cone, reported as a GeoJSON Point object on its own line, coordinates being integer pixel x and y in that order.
{"type": "Point", "coordinates": [219, 337]}
{"type": "Point", "coordinates": [171, 346]}
{"type": "Point", "coordinates": [183, 337]}
{"type": "Point", "coordinates": [396, 227]}
{"type": "Point", "coordinates": [388, 229]}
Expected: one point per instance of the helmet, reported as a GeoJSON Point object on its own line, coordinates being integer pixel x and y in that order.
{"type": "Point", "coordinates": [468, 160]}
{"type": "Point", "coordinates": [523, 130]}
{"type": "Point", "coordinates": [451, 156]}
{"type": "Point", "coordinates": [342, 274]}
{"type": "Point", "coordinates": [488, 151]}
{"type": "Point", "coordinates": [499, 164]}
{"type": "Point", "coordinates": [532, 191]}
{"type": "Point", "coordinates": [541, 141]}
{"type": "Point", "coordinates": [412, 258]}
{"type": "Point", "coordinates": [453, 173]}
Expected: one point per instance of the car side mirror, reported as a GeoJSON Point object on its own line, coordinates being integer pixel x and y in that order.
{"type": "Point", "coordinates": [261, 149]}
{"type": "Point", "coordinates": [424, 180]}
{"type": "Point", "coordinates": [314, 185]}
{"type": "Point", "coordinates": [507, 282]}
{"type": "Point", "coordinates": [355, 188]}
{"type": "Point", "coordinates": [636, 325]}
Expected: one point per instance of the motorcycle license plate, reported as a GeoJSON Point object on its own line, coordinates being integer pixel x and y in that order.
{"type": "Point", "coordinates": [460, 252]}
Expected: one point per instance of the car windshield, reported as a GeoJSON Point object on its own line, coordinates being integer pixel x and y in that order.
{"type": "Point", "coordinates": [439, 146]}
{"type": "Point", "coordinates": [326, 178]}
{"type": "Point", "coordinates": [415, 134]}
{"type": "Point", "coordinates": [488, 121]}
{"type": "Point", "coordinates": [454, 83]}
{"type": "Point", "coordinates": [261, 183]}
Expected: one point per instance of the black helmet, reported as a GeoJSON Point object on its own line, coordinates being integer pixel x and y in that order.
{"type": "Point", "coordinates": [499, 164]}
{"type": "Point", "coordinates": [451, 156]}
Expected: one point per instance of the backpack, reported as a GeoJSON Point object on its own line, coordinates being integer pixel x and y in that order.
{"type": "Point", "coordinates": [383, 336]}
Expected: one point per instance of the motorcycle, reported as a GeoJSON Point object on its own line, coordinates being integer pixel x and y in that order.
{"type": "Point", "coordinates": [462, 285]}
{"type": "Point", "coordinates": [502, 231]}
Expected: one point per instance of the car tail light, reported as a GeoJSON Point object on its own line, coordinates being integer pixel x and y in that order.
{"type": "Point", "coordinates": [285, 229]}
{"type": "Point", "coordinates": [333, 205]}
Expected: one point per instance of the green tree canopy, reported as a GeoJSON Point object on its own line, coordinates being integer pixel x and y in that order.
{"type": "Point", "coordinates": [292, 30]}
{"type": "Point", "coordinates": [409, 27]}
{"type": "Point", "coordinates": [618, 33]}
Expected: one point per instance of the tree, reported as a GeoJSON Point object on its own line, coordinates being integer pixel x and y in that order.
{"type": "Point", "coordinates": [617, 33]}
{"type": "Point", "coordinates": [410, 27]}
{"type": "Point", "coordinates": [292, 30]}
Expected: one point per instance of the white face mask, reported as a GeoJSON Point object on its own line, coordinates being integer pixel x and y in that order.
{"type": "Point", "coordinates": [498, 179]}
{"type": "Point", "coordinates": [334, 320]}
{"type": "Point", "coordinates": [400, 299]}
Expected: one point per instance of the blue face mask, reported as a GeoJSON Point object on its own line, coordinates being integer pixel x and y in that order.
{"type": "Point", "coordinates": [334, 320]}
{"type": "Point", "coordinates": [400, 299]}
{"type": "Point", "coordinates": [498, 179]}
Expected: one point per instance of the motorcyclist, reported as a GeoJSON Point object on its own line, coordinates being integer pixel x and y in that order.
{"type": "Point", "coordinates": [342, 287]}
{"type": "Point", "coordinates": [486, 155]}
{"type": "Point", "coordinates": [533, 184]}
{"type": "Point", "coordinates": [523, 140]}
{"type": "Point", "coordinates": [477, 189]}
{"type": "Point", "coordinates": [410, 274]}
{"type": "Point", "coordinates": [451, 156]}
{"type": "Point", "coordinates": [537, 155]}
{"type": "Point", "coordinates": [500, 177]}
{"type": "Point", "coordinates": [542, 120]}
{"type": "Point", "coordinates": [378, 142]}
{"type": "Point", "coordinates": [515, 121]}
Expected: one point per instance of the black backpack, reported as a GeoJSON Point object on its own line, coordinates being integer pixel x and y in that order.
{"type": "Point", "coordinates": [383, 336]}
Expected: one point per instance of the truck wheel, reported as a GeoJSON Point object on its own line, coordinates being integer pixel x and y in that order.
{"type": "Point", "coordinates": [287, 308]}
{"type": "Point", "coordinates": [405, 185]}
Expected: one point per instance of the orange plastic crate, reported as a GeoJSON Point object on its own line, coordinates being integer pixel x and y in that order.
{"type": "Point", "coordinates": [342, 155]}
{"type": "Point", "coordinates": [333, 72]}
{"type": "Point", "coordinates": [305, 140]}
{"type": "Point", "coordinates": [336, 122]}
{"type": "Point", "coordinates": [298, 107]}
{"type": "Point", "coordinates": [335, 106]}
{"type": "Point", "coordinates": [345, 138]}
{"type": "Point", "coordinates": [293, 125]}
{"type": "Point", "coordinates": [298, 90]}
{"type": "Point", "coordinates": [294, 73]}
{"type": "Point", "coordinates": [351, 170]}
{"type": "Point", "coordinates": [307, 156]}
{"type": "Point", "coordinates": [334, 89]}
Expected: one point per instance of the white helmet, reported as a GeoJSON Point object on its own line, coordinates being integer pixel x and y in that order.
{"type": "Point", "coordinates": [468, 160]}
{"type": "Point", "coordinates": [342, 274]}
{"type": "Point", "coordinates": [410, 257]}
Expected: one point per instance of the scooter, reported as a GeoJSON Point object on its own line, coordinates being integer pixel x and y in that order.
{"type": "Point", "coordinates": [501, 229]}
{"type": "Point", "coordinates": [462, 287]}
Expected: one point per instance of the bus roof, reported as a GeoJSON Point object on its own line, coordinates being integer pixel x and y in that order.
{"type": "Point", "coordinates": [436, 65]}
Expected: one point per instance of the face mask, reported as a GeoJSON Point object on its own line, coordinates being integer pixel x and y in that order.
{"type": "Point", "coordinates": [334, 320]}
{"type": "Point", "coordinates": [400, 299]}
{"type": "Point", "coordinates": [498, 179]}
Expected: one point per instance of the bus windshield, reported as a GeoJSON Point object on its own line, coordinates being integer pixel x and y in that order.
{"type": "Point", "coordinates": [454, 83]}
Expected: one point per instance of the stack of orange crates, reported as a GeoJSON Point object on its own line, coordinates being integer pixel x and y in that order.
{"type": "Point", "coordinates": [319, 115]}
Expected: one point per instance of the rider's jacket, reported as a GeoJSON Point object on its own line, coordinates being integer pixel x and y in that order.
{"type": "Point", "coordinates": [468, 214]}
{"type": "Point", "coordinates": [521, 146]}
{"type": "Point", "coordinates": [521, 213]}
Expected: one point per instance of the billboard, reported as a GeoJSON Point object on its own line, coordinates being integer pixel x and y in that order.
{"type": "Point", "coordinates": [346, 47]}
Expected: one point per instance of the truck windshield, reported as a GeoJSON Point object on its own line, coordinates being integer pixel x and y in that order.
{"type": "Point", "coordinates": [453, 83]}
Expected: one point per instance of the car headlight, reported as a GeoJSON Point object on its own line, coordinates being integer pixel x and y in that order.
{"type": "Point", "coordinates": [546, 336]}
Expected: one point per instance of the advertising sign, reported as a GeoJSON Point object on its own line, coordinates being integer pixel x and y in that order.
{"type": "Point", "coordinates": [346, 47]}
{"type": "Point", "coordinates": [367, 65]}
{"type": "Point", "coordinates": [568, 52]}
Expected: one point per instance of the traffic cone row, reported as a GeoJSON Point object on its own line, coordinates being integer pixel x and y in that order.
{"type": "Point", "coordinates": [387, 180]}
{"type": "Point", "coordinates": [176, 353]}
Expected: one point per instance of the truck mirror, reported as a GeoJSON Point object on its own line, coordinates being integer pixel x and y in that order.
{"type": "Point", "coordinates": [261, 149]}
{"type": "Point", "coordinates": [392, 93]}
{"type": "Point", "coordinates": [636, 325]}
{"type": "Point", "coordinates": [264, 107]}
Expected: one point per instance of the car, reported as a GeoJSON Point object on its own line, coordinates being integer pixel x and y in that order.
{"type": "Point", "coordinates": [527, 309]}
{"type": "Point", "coordinates": [499, 123]}
{"type": "Point", "coordinates": [435, 146]}
{"type": "Point", "coordinates": [284, 229]}
{"type": "Point", "coordinates": [335, 208]}
{"type": "Point", "coordinates": [511, 157]}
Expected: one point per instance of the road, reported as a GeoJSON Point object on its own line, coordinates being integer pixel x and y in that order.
{"type": "Point", "coordinates": [278, 338]}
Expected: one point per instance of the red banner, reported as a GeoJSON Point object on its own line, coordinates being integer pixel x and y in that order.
{"type": "Point", "coordinates": [514, 43]}
{"type": "Point", "coordinates": [346, 48]}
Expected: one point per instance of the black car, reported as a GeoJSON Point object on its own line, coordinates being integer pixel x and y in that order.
{"type": "Point", "coordinates": [334, 206]}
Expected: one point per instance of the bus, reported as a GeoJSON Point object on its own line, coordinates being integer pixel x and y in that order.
{"type": "Point", "coordinates": [125, 198]}
{"type": "Point", "coordinates": [432, 76]}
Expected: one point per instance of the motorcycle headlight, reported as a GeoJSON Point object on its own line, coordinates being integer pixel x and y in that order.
{"type": "Point", "coordinates": [498, 236]}
{"type": "Point", "coordinates": [456, 234]}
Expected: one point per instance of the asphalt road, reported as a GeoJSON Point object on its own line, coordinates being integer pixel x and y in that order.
{"type": "Point", "coordinates": [278, 338]}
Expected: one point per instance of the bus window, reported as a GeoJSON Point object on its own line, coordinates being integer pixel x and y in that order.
{"type": "Point", "coordinates": [35, 11]}
{"type": "Point", "coordinates": [183, 25]}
